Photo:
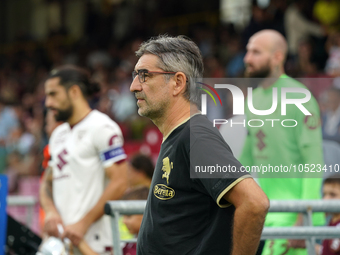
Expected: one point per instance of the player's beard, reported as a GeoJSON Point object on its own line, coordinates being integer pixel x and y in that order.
{"type": "Point", "coordinates": [262, 72]}
{"type": "Point", "coordinates": [63, 115]}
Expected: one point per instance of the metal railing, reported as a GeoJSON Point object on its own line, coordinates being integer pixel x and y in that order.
{"type": "Point", "coordinates": [306, 207]}
{"type": "Point", "coordinates": [28, 201]}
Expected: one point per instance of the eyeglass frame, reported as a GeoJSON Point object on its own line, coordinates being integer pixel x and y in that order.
{"type": "Point", "coordinates": [143, 72]}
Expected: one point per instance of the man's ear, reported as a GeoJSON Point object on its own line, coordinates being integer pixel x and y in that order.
{"type": "Point", "coordinates": [278, 57]}
{"type": "Point", "coordinates": [179, 84]}
{"type": "Point", "coordinates": [74, 92]}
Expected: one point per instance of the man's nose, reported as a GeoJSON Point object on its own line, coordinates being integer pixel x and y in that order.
{"type": "Point", "coordinates": [48, 102]}
{"type": "Point", "coordinates": [246, 58]}
{"type": "Point", "coordinates": [135, 85]}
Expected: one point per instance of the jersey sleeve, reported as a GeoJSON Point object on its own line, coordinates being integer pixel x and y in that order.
{"type": "Point", "coordinates": [108, 140]}
{"type": "Point", "coordinates": [308, 130]}
{"type": "Point", "coordinates": [211, 150]}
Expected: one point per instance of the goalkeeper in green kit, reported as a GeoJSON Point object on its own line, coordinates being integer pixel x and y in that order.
{"type": "Point", "coordinates": [292, 141]}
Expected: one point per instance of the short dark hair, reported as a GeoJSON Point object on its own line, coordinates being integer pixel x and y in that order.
{"type": "Point", "coordinates": [72, 75]}
{"type": "Point", "coordinates": [333, 179]}
{"type": "Point", "coordinates": [177, 54]}
{"type": "Point", "coordinates": [143, 163]}
{"type": "Point", "coordinates": [138, 193]}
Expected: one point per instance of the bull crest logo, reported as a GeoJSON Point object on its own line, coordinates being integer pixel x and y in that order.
{"type": "Point", "coordinates": [167, 166]}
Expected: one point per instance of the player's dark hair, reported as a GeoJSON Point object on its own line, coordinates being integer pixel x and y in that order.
{"type": "Point", "coordinates": [143, 163]}
{"type": "Point", "coordinates": [72, 75]}
{"type": "Point", "coordinates": [333, 179]}
{"type": "Point", "coordinates": [140, 193]}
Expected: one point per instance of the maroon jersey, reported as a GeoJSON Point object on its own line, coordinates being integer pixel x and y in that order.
{"type": "Point", "coordinates": [331, 246]}
{"type": "Point", "coordinates": [129, 249]}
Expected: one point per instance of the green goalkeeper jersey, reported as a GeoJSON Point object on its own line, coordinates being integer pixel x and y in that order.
{"type": "Point", "coordinates": [294, 151]}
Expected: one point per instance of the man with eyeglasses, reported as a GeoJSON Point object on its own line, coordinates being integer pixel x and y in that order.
{"type": "Point", "coordinates": [190, 215]}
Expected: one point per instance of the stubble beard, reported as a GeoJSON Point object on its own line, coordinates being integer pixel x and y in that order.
{"type": "Point", "coordinates": [155, 111]}
{"type": "Point", "coordinates": [63, 115]}
{"type": "Point", "coordinates": [262, 72]}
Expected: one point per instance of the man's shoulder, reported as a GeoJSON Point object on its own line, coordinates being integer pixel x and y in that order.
{"type": "Point", "coordinates": [200, 124]}
{"type": "Point", "coordinates": [59, 133]}
{"type": "Point", "coordinates": [201, 128]}
{"type": "Point", "coordinates": [197, 127]}
{"type": "Point", "coordinates": [62, 128]}
{"type": "Point", "coordinates": [99, 120]}
{"type": "Point", "coordinates": [289, 82]}
{"type": "Point", "coordinates": [284, 81]}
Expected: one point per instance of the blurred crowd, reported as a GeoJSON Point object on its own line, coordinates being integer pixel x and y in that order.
{"type": "Point", "coordinates": [312, 29]}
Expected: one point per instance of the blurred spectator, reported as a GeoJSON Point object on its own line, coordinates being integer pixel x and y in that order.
{"type": "Point", "coordinates": [333, 47]}
{"type": "Point", "coordinates": [331, 190]}
{"type": "Point", "coordinates": [213, 68]}
{"type": "Point", "coordinates": [307, 66]}
{"type": "Point", "coordinates": [98, 58]}
{"type": "Point", "coordinates": [235, 67]}
{"type": "Point", "coordinates": [331, 154]}
{"type": "Point", "coordinates": [327, 12]}
{"type": "Point", "coordinates": [265, 15]}
{"type": "Point", "coordinates": [204, 37]}
{"type": "Point", "coordinates": [123, 102]}
{"type": "Point", "coordinates": [20, 140]}
{"type": "Point", "coordinates": [331, 116]}
{"type": "Point", "coordinates": [140, 171]}
{"type": "Point", "coordinates": [133, 222]}
{"type": "Point", "coordinates": [13, 169]}
{"type": "Point", "coordinates": [298, 27]}
{"type": "Point", "coordinates": [8, 122]}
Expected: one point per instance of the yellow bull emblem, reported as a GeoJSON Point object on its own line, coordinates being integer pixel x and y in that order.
{"type": "Point", "coordinates": [167, 166]}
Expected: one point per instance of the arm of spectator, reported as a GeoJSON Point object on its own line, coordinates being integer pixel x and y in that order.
{"type": "Point", "coordinates": [293, 243]}
{"type": "Point", "coordinates": [313, 28]}
{"type": "Point", "coordinates": [85, 249]}
{"type": "Point", "coordinates": [117, 173]}
{"type": "Point", "coordinates": [52, 217]}
{"type": "Point", "coordinates": [251, 207]}
{"type": "Point", "coordinates": [318, 249]}
{"type": "Point", "coordinates": [307, 26]}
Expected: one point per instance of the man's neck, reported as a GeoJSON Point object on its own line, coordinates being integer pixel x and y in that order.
{"type": "Point", "coordinates": [175, 116]}
{"type": "Point", "coordinates": [272, 78]}
{"type": "Point", "coordinates": [79, 112]}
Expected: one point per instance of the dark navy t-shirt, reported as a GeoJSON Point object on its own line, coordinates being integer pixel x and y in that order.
{"type": "Point", "coordinates": [189, 215]}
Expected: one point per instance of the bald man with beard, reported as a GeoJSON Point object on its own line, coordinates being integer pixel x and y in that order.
{"type": "Point", "coordinates": [266, 54]}
{"type": "Point", "coordinates": [276, 145]}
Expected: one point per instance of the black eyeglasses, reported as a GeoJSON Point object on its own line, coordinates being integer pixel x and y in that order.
{"type": "Point", "coordinates": [141, 74]}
